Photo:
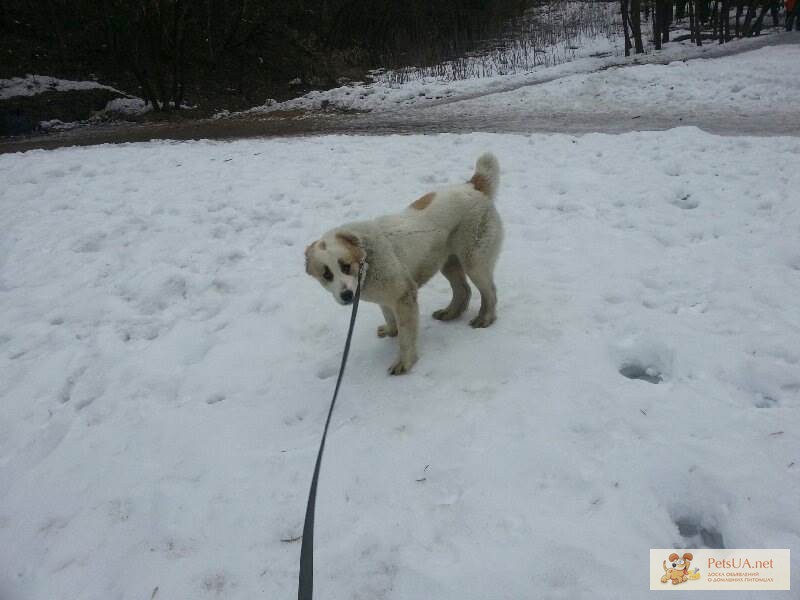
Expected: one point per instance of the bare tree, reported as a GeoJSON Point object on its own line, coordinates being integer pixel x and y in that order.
{"type": "Point", "coordinates": [636, 25]}
{"type": "Point", "coordinates": [149, 39]}
{"type": "Point", "coordinates": [625, 25]}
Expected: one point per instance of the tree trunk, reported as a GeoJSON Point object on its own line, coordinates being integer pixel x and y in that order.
{"type": "Point", "coordinates": [727, 20]}
{"type": "Point", "coordinates": [756, 30]}
{"type": "Point", "coordinates": [666, 20]}
{"type": "Point", "coordinates": [698, 37]}
{"type": "Point", "coordinates": [748, 18]}
{"type": "Point", "coordinates": [774, 11]}
{"type": "Point", "coordinates": [625, 21]}
{"type": "Point", "coordinates": [714, 19]}
{"type": "Point", "coordinates": [703, 11]}
{"type": "Point", "coordinates": [657, 12]}
{"type": "Point", "coordinates": [739, 9]}
{"type": "Point", "coordinates": [636, 25]}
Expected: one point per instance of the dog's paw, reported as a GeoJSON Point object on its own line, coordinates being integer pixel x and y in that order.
{"type": "Point", "coordinates": [483, 321]}
{"type": "Point", "coordinates": [445, 314]}
{"type": "Point", "coordinates": [400, 367]}
{"type": "Point", "coordinates": [386, 331]}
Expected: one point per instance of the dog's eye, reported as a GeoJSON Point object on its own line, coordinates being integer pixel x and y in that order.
{"type": "Point", "coordinates": [345, 267]}
{"type": "Point", "coordinates": [327, 275]}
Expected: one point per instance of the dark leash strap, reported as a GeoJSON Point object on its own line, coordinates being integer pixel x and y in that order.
{"type": "Point", "coordinates": [305, 590]}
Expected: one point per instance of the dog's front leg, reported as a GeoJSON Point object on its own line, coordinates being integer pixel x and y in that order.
{"type": "Point", "coordinates": [390, 329]}
{"type": "Point", "coordinates": [407, 316]}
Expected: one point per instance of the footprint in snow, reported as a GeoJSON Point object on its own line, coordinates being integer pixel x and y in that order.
{"type": "Point", "coordinates": [763, 400]}
{"type": "Point", "coordinates": [644, 373]}
{"type": "Point", "coordinates": [327, 371]}
{"type": "Point", "coordinates": [699, 534]}
{"type": "Point", "coordinates": [89, 243]}
{"type": "Point", "coordinates": [642, 359]}
{"type": "Point", "coordinates": [685, 201]}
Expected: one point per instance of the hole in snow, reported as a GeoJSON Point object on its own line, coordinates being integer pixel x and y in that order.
{"type": "Point", "coordinates": [765, 401]}
{"type": "Point", "coordinates": [639, 357]}
{"type": "Point", "coordinates": [327, 371]}
{"type": "Point", "coordinates": [686, 202]}
{"type": "Point", "coordinates": [698, 535]}
{"type": "Point", "coordinates": [637, 371]}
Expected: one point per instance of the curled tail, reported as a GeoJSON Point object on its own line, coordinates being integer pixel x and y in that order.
{"type": "Point", "coordinates": [487, 175]}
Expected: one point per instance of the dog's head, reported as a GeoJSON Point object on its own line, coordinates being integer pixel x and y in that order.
{"type": "Point", "coordinates": [334, 260]}
{"type": "Point", "coordinates": [681, 563]}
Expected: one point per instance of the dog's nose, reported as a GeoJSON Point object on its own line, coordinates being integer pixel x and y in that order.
{"type": "Point", "coordinates": [346, 296]}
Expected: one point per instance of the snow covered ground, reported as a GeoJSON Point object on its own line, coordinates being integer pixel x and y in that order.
{"type": "Point", "coordinates": [384, 94]}
{"type": "Point", "coordinates": [166, 364]}
{"type": "Point", "coordinates": [583, 67]}
{"type": "Point", "coordinates": [30, 85]}
{"type": "Point", "coordinates": [764, 80]}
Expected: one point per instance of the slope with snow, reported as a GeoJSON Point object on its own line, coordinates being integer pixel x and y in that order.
{"type": "Point", "coordinates": [771, 75]}
{"type": "Point", "coordinates": [761, 81]}
{"type": "Point", "coordinates": [165, 368]}
{"type": "Point", "coordinates": [30, 85]}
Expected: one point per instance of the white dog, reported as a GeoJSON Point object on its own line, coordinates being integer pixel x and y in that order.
{"type": "Point", "coordinates": [455, 230]}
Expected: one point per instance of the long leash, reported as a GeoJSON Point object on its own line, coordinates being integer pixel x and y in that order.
{"type": "Point", "coordinates": [305, 589]}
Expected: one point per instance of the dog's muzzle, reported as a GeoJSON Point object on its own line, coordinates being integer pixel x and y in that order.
{"type": "Point", "coordinates": [346, 296]}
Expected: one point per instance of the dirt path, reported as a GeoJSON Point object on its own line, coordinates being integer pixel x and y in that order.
{"type": "Point", "coordinates": [423, 120]}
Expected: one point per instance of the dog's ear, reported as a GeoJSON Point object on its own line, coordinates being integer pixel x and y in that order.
{"type": "Point", "coordinates": [309, 250]}
{"type": "Point", "coordinates": [348, 237]}
{"type": "Point", "coordinates": [673, 557]}
{"type": "Point", "coordinates": [688, 556]}
{"type": "Point", "coordinates": [353, 243]}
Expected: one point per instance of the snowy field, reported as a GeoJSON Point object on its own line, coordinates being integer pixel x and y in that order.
{"type": "Point", "coordinates": [166, 365]}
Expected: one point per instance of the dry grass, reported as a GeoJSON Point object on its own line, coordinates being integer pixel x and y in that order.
{"type": "Point", "coordinates": [546, 35]}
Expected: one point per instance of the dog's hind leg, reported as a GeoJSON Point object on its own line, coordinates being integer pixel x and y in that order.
{"type": "Point", "coordinates": [454, 273]}
{"type": "Point", "coordinates": [482, 276]}
{"type": "Point", "coordinates": [390, 329]}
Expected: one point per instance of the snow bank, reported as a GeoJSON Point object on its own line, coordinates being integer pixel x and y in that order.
{"type": "Point", "coordinates": [385, 94]}
{"type": "Point", "coordinates": [165, 368]}
{"type": "Point", "coordinates": [760, 81]}
{"type": "Point", "coordinates": [30, 85]}
{"type": "Point", "coordinates": [583, 67]}
{"type": "Point", "coordinates": [128, 107]}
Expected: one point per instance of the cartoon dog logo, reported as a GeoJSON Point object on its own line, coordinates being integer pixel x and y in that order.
{"type": "Point", "coordinates": [676, 569]}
